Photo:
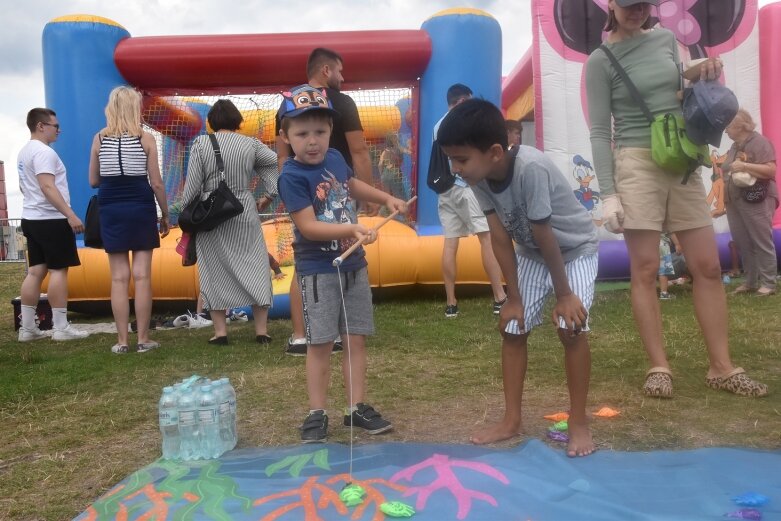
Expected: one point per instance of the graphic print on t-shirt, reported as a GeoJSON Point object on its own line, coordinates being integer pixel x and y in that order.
{"type": "Point", "coordinates": [518, 225]}
{"type": "Point", "coordinates": [333, 205]}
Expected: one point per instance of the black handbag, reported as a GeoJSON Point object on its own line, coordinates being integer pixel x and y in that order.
{"type": "Point", "coordinates": [203, 215]}
{"type": "Point", "coordinates": [440, 178]}
{"type": "Point", "coordinates": [755, 193]}
{"type": "Point", "coordinates": [92, 238]}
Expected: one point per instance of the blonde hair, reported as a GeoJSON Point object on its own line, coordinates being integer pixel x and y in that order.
{"type": "Point", "coordinates": [123, 113]}
{"type": "Point", "coordinates": [748, 121]}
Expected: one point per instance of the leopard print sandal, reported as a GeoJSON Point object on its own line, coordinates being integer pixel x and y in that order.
{"type": "Point", "coordinates": [737, 382]}
{"type": "Point", "coordinates": [658, 383]}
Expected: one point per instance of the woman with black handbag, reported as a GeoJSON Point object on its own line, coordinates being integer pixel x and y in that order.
{"type": "Point", "coordinates": [752, 198]}
{"type": "Point", "coordinates": [123, 165]}
{"type": "Point", "coordinates": [233, 267]}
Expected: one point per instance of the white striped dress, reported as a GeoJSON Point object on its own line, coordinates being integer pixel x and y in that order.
{"type": "Point", "coordinates": [233, 266]}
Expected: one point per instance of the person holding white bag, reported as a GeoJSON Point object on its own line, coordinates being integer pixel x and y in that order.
{"type": "Point", "coordinates": [752, 198]}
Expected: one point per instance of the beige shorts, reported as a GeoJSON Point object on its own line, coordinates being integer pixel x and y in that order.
{"type": "Point", "coordinates": [459, 213]}
{"type": "Point", "coordinates": [654, 199]}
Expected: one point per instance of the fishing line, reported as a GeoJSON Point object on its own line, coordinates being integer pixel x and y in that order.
{"type": "Point", "coordinates": [337, 263]}
{"type": "Point", "coordinates": [349, 364]}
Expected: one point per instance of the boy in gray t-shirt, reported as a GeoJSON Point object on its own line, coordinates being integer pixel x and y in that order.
{"type": "Point", "coordinates": [528, 201]}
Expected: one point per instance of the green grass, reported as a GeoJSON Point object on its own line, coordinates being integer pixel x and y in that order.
{"type": "Point", "coordinates": [77, 419]}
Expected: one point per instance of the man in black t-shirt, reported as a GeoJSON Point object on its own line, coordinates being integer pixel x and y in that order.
{"type": "Point", "coordinates": [324, 71]}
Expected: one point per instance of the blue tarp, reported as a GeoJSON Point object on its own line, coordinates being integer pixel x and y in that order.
{"type": "Point", "coordinates": [441, 482]}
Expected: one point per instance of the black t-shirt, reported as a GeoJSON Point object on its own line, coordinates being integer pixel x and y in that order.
{"type": "Point", "coordinates": [347, 121]}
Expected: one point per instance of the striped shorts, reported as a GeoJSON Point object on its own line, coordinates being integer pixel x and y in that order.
{"type": "Point", "coordinates": [535, 284]}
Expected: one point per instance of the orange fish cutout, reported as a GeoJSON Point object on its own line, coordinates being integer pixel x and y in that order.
{"type": "Point", "coordinates": [557, 417]}
{"type": "Point", "coordinates": [607, 412]}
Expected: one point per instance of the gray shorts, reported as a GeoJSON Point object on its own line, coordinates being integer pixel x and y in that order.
{"type": "Point", "coordinates": [324, 315]}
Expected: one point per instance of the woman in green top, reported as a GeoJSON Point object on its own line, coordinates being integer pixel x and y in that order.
{"type": "Point", "coordinates": [641, 200]}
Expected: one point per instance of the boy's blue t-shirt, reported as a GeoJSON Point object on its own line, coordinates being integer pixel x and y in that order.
{"type": "Point", "coordinates": [324, 188]}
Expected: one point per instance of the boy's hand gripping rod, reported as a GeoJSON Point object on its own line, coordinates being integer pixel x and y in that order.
{"type": "Point", "coordinates": [338, 261]}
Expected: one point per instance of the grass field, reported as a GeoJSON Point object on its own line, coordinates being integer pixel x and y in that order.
{"type": "Point", "coordinates": [77, 419]}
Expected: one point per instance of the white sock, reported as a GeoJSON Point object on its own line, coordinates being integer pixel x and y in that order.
{"type": "Point", "coordinates": [318, 410]}
{"type": "Point", "coordinates": [349, 410]}
{"type": "Point", "coordinates": [29, 315]}
{"type": "Point", "coordinates": [60, 318]}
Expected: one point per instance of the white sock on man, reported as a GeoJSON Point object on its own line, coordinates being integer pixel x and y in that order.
{"type": "Point", "coordinates": [60, 318]}
{"type": "Point", "coordinates": [29, 315]}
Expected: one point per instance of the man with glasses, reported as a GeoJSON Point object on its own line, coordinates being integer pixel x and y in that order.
{"type": "Point", "coordinates": [49, 225]}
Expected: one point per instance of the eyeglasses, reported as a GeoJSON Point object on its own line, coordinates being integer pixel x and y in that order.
{"type": "Point", "coordinates": [55, 125]}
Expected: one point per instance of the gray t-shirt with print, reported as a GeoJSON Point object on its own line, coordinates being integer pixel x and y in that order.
{"type": "Point", "coordinates": [535, 191]}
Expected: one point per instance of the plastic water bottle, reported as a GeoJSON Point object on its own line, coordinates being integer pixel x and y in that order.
{"type": "Point", "coordinates": [223, 414]}
{"type": "Point", "coordinates": [189, 448]}
{"type": "Point", "coordinates": [208, 428]}
{"type": "Point", "coordinates": [231, 394]}
{"type": "Point", "coordinates": [168, 414]}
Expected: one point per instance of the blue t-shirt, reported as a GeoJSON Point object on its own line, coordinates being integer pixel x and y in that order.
{"type": "Point", "coordinates": [324, 188]}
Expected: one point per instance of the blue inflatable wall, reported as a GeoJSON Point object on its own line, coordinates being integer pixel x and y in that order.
{"type": "Point", "coordinates": [79, 73]}
{"type": "Point", "coordinates": [466, 48]}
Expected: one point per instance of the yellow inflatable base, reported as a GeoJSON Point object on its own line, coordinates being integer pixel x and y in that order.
{"type": "Point", "coordinates": [399, 257]}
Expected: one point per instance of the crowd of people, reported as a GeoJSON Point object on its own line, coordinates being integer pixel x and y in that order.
{"type": "Point", "coordinates": [533, 232]}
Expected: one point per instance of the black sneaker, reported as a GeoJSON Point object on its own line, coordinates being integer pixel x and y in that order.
{"type": "Point", "coordinates": [367, 418]}
{"type": "Point", "coordinates": [451, 311]}
{"type": "Point", "coordinates": [315, 427]}
{"type": "Point", "coordinates": [498, 305]}
{"type": "Point", "coordinates": [296, 347]}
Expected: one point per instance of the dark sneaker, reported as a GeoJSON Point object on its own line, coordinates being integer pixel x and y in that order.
{"type": "Point", "coordinates": [498, 305]}
{"type": "Point", "coordinates": [145, 347]}
{"type": "Point", "coordinates": [315, 427]}
{"type": "Point", "coordinates": [296, 347]}
{"type": "Point", "coordinates": [367, 418]}
{"type": "Point", "coordinates": [451, 311]}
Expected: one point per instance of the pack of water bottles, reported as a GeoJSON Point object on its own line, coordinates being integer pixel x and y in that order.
{"type": "Point", "coordinates": [198, 419]}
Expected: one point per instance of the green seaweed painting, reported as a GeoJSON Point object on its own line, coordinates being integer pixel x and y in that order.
{"type": "Point", "coordinates": [206, 493]}
{"type": "Point", "coordinates": [296, 464]}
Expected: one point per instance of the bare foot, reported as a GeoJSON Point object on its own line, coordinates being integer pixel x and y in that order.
{"type": "Point", "coordinates": [501, 431]}
{"type": "Point", "coordinates": [580, 442]}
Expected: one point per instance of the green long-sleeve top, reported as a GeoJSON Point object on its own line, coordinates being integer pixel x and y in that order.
{"type": "Point", "coordinates": [651, 61]}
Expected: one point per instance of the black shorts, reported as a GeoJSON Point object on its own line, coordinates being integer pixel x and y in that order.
{"type": "Point", "coordinates": [50, 242]}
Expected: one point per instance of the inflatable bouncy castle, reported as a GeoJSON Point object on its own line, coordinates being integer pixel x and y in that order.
{"type": "Point", "coordinates": [398, 80]}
